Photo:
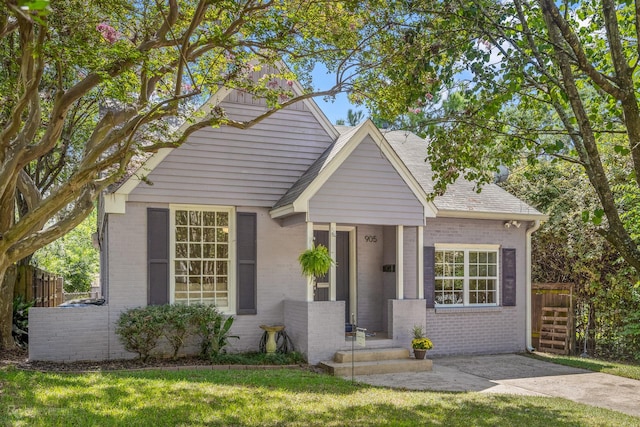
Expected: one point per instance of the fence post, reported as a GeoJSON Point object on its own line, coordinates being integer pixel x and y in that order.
{"type": "Point", "coordinates": [59, 291]}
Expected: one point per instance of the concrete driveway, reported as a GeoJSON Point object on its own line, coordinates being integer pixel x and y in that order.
{"type": "Point", "coordinates": [515, 374]}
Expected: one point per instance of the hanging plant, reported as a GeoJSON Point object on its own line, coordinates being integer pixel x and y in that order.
{"type": "Point", "coordinates": [315, 262]}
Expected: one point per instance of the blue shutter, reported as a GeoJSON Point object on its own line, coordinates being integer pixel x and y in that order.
{"type": "Point", "coordinates": [247, 294]}
{"type": "Point", "coordinates": [429, 263]}
{"type": "Point", "coordinates": [508, 277]}
{"type": "Point", "coordinates": [157, 256]}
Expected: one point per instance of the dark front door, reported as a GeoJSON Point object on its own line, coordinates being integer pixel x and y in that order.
{"type": "Point", "coordinates": [321, 237]}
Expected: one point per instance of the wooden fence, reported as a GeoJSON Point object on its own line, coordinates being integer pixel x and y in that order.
{"type": "Point", "coordinates": [552, 318]}
{"type": "Point", "coordinates": [40, 286]}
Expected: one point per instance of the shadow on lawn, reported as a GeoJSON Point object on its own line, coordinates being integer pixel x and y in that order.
{"type": "Point", "coordinates": [248, 398]}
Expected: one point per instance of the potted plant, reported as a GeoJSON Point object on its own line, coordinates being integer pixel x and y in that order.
{"type": "Point", "coordinates": [315, 262]}
{"type": "Point", "coordinates": [420, 343]}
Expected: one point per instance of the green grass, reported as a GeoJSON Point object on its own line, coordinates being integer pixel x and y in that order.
{"type": "Point", "coordinates": [606, 367]}
{"type": "Point", "coordinates": [287, 397]}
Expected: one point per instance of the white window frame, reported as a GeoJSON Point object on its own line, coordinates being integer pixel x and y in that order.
{"type": "Point", "coordinates": [466, 248]}
{"type": "Point", "coordinates": [232, 278]}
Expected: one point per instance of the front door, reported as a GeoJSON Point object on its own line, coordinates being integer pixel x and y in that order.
{"type": "Point", "coordinates": [321, 237]}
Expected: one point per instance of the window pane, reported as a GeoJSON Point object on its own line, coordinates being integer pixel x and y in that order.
{"type": "Point", "coordinates": [181, 217]}
{"type": "Point", "coordinates": [209, 234]}
{"type": "Point", "coordinates": [181, 268]}
{"type": "Point", "coordinates": [221, 284]}
{"type": "Point", "coordinates": [209, 251]}
{"type": "Point", "coordinates": [459, 257]}
{"type": "Point", "coordinates": [195, 251]}
{"type": "Point", "coordinates": [223, 219]}
{"type": "Point", "coordinates": [222, 251]}
{"type": "Point", "coordinates": [473, 257]}
{"type": "Point", "coordinates": [181, 234]}
{"type": "Point", "coordinates": [223, 236]}
{"type": "Point", "coordinates": [209, 219]}
{"type": "Point", "coordinates": [491, 271]}
{"type": "Point", "coordinates": [195, 235]}
{"type": "Point", "coordinates": [195, 267]}
{"type": "Point", "coordinates": [194, 218]}
{"type": "Point", "coordinates": [221, 268]}
{"type": "Point", "coordinates": [182, 251]}
{"type": "Point", "coordinates": [492, 257]}
{"type": "Point", "coordinates": [459, 271]}
{"type": "Point", "coordinates": [209, 268]}
{"type": "Point", "coordinates": [482, 257]}
{"type": "Point", "coordinates": [482, 271]}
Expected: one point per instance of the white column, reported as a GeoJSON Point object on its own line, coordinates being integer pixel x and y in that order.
{"type": "Point", "coordinates": [332, 253]}
{"type": "Point", "coordinates": [420, 263]}
{"type": "Point", "coordinates": [309, 246]}
{"type": "Point", "coordinates": [399, 262]}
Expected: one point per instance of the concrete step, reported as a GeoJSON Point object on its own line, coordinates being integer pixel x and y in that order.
{"type": "Point", "coordinates": [370, 354]}
{"type": "Point", "coordinates": [378, 367]}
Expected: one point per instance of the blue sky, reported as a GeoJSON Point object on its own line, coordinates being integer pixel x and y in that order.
{"type": "Point", "coordinates": [337, 108]}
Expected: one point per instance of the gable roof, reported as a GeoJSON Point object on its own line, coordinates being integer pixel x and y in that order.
{"type": "Point", "coordinates": [461, 198]}
{"type": "Point", "coordinates": [114, 201]}
{"type": "Point", "coordinates": [297, 198]}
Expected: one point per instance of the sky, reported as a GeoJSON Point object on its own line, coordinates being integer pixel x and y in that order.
{"type": "Point", "coordinates": [337, 108]}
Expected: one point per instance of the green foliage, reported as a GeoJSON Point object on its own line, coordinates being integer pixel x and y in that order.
{"type": "Point", "coordinates": [213, 328]}
{"type": "Point", "coordinates": [569, 248]}
{"type": "Point", "coordinates": [21, 321]}
{"type": "Point", "coordinates": [631, 334]}
{"type": "Point", "coordinates": [417, 331]}
{"type": "Point", "coordinates": [260, 358]}
{"type": "Point", "coordinates": [315, 262]}
{"type": "Point", "coordinates": [140, 329]}
{"type": "Point", "coordinates": [72, 256]}
{"type": "Point", "coordinates": [177, 325]}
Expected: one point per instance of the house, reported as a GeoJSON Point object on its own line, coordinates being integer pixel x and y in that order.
{"type": "Point", "coordinates": [222, 219]}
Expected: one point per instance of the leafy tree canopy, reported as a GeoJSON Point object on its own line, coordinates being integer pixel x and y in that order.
{"type": "Point", "coordinates": [86, 87]}
{"type": "Point", "coordinates": [569, 69]}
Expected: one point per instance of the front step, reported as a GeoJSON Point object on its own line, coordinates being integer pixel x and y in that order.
{"type": "Point", "coordinates": [375, 361]}
{"type": "Point", "coordinates": [369, 355]}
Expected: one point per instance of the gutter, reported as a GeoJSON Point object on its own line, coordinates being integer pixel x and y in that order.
{"type": "Point", "coordinates": [527, 322]}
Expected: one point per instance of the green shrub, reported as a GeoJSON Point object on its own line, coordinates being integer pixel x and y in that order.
{"type": "Point", "coordinates": [20, 330]}
{"type": "Point", "coordinates": [213, 328]}
{"type": "Point", "coordinates": [177, 325]}
{"type": "Point", "coordinates": [140, 329]}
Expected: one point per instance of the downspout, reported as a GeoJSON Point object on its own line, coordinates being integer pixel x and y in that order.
{"type": "Point", "coordinates": [527, 323]}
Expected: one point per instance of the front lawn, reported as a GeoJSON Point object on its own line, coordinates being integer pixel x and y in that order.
{"type": "Point", "coordinates": [606, 367]}
{"type": "Point", "coordinates": [290, 397]}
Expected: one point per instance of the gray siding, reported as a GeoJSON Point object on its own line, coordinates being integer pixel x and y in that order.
{"type": "Point", "coordinates": [228, 166]}
{"type": "Point", "coordinates": [366, 189]}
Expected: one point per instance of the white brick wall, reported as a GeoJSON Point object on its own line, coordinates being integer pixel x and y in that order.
{"type": "Point", "coordinates": [317, 329]}
{"type": "Point", "coordinates": [67, 334]}
{"type": "Point", "coordinates": [478, 330]}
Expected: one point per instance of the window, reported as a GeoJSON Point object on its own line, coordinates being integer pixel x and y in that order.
{"type": "Point", "coordinates": [202, 256]}
{"type": "Point", "coordinates": [466, 276]}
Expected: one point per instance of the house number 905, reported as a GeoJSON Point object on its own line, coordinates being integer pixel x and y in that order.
{"type": "Point", "coordinates": [371, 239]}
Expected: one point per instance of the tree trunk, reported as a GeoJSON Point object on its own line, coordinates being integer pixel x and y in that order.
{"type": "Point", "coordinates": [7, 282]}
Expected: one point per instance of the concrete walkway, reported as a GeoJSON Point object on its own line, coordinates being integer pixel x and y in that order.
{"type": "Point", "coordinates": [514, 374]}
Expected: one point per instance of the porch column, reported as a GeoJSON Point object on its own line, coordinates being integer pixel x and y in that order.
{"type": "Point", "coordinates": [399, 262]}
{"type": "Point", "coordinates": [332, 254]}
{"type": "Point", "coordinates": [309, 246]}
{"type": "Point", "coordinates": [420, 263]}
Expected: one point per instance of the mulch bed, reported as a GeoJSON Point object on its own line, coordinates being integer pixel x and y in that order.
{"type": "Point", "coordinates": [19, 359]}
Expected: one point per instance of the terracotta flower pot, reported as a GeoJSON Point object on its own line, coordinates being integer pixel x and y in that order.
{"type": "Point", "coordinates": [419, 353]}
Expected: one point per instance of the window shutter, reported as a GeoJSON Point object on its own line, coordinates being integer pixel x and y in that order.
{"type": "Point", "coordinates": [429, 255]}
{"type": "Point", "coordinates": [508, 277]}
{"type": "Point", "coordinates": [247, 294]}
{"type": "Point", "coordinates": [157, 256]}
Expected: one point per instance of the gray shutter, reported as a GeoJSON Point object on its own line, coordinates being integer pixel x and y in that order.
{"type": "Point", "coordinates": [508, 277]}
{"type": "Point", "coordinates": [157, 256]}
{"type": "Point", "coordinates": [429, 255]}
{"type": "Point", "coordinates": [247, 294]}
